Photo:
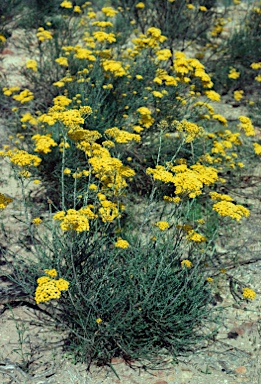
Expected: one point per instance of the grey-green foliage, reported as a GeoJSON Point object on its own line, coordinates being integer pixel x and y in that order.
{"type": "Point", "coordinates": [147, 302]}
{"type": "Point", "coordinates": [175, 20]}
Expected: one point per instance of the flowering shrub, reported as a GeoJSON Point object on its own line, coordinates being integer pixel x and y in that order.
{"type": "Point", "coordinates": [124, 138]}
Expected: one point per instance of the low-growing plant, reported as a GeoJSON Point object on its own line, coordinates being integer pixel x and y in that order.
{"type": "Point", "coordinates": [133, 162]}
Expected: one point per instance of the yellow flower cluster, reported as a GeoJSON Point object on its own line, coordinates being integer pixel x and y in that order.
{"type": "Point", "coordinates": [49, 288]}
{"type": "Point", "coordinates": [109, 11]}
{"type": "Point", "coordinates": [160, 173]}
{"type": "Point", "coordinates": [102, 24]}
{"type": "Point", "coordinates": [43, 143]}
{"type": "Point", "coordinates": [256, 65]}
{"type": "Point", "coordinates": [63, 61]}
{"type": "Point", "coordinates": [37, 221]}
{"type": "Point", "coordinates": [219, 196]}
{"type": "Point", "coordinates": [22, 158]}
{"type": "Point", "coordinates": [186, 263]}
{"type": "Point", "coordinates": [187, 181]}
{"type": "Point", "coordinates": [140, 5]}
{"type": "Point", "coordinates": [212, 95]}
{"type": "Point", "coordinates": [218, 27]}
{"type": "Point", "coordinates": [163, 54]}
{"type": "Point", "coordinates": [66, 4]}
{"type": "Point", "coordinates": [122, 137]}
{"type": "Point", "coordinates": [249, 294]}
{"type": "Point", "coordinates": [238, 95]}
{"type": "Point", "coordinates": [233, 74]}
{"type": "Point", "coordinates": [84, 135]}
{"type": "Point", "coordinates": [220, 118]}
{"type": "Point", "coordinates": [162, 225]}
{"type": "Point", "coordinates": [109, 170]}
{"type": "Point", "coordinates": [43, 35]}
{"type": "Point", "coordinates": [257, 148]}
{"type": "Point", "coordinates": [163, 76]}
{"type": "Point", "coordinates": [190, 130]}
{"type": "Point", "coordinates": [191, 67]}
{"type": "Point", "coordinates": [10, 91]}
{"type": "Point", "coordinates": [120, 243]}
{"type": "Point", "coordinates": [229, 209]}
{"type": "Point", "coordinates": [145, 117]}
{"type": "Point", "coordinates": [109, 210]}
{"type": "Point", "coordinates": [27, 117]}
{"type": "Point", "coordinates": [115, 67]}
{"type": "Point", "coordinates": [2, 38]}
{"type": "Point", "coordinates": [4, 201]}
{"type": "Point", "coordinates": [74, 220]}
{"type": "Point", "coordinates": [196, 237]}
{"type": "Point", "coordinates": [223, 145]}
{"type": "Point", "coordinates": [246, 125]}
{"type": "Point", "coordinates": [24, 96]}
{"type": "Point", "coordinates": [103, 36]}
{"type": "Point", "coordinates": [152, 39]}
{"type": "Point", "coordinates": [31, 64]}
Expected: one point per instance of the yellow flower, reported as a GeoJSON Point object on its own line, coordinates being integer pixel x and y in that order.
{"type": "Point", "coordinates": [256, 65]}
{"type": "Point", "coordinates": [67, 171]}
{"type": "Point", "coordinates": [233, 74]}
{"type": "Point", "coordinates": [99, 320]}
{"type": "Point", "coordinates": [48, 288]}
{"type": "Point", "coordinates": [121, 136]}
{"type": "Point", "coordinates": [4, 201]}
{"type": "Point", "coordinates": [59, 84]}
{"type": "Point", "coordinates": [210, 280]}
{"type": "Point", "coordinates": [248, 293]}
{"type": "Point", "coordinates": [186, 263]}
{"type": "Point", "coordinates": [43, 35]}
{"type": "Point", "coordinates": [162, 225]}
{"type": "Point", "coordinates": [257, 148]}
{"type": "Point", "coordinates": [74, 220]}
{"type": "Point", "coordinates": [202, 8]}
{"type": "Point", "coordinates": [62, 284]}
{"type": "Point", "coordinates": [2, 38]}
{"type": "Point", "coordinates": [238, 95]}
{"type": "Point", "coordinates": [62, 61]}
{"type": "Point", "coordinates": [37, 221]}
{"type": "Point", "coordinates": [121, 243]}
{"type": "Point", "coordinates": [109, 11]}
{"type": "Point", "coordinates": [103, 36]}
{"type": "Point", "coordinates": [157, 94]}
{"type": "Point", "coordinates": [31, 64]}
{"type": "Point", "coordinates": [66, 4]}
{"type": "Point", "coordinates": [77, 9]}
{"type": "Point", "coordinates": [227, 208]}
{"type": "Point", "coordinates": [43, 143]}
{"type": "Point", "coordinates": [246, 125]}
{"type": "Point", "coordinates": [51, 272]}
{"type": "Point", "coordinates": [140, 5]}
{"type": "Point", "coordinates": [196, 237]}
{"type": "Point", "coordinates": [164, 54]}
{"type": "Point", "coordinates": [190, 6]}
{"type": "Point", "coordinates": [24, 96]}
{"type": "Point", "coordinates": [212, 95]}
{"type": "Point", "coordinates": [23, 158]}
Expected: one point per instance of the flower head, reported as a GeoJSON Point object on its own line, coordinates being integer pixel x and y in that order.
{"type": "Point", "coordinates": [121, 243]}
{"type": "Point", "coordinates": [249, 294]}
{"type": "Point", "coordinates": [186, 263]}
